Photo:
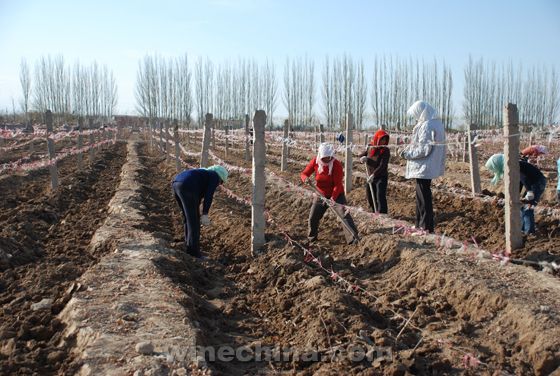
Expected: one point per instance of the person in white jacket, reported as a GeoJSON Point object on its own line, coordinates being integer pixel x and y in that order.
{"type": "Point", "coordinates": [425, 157]}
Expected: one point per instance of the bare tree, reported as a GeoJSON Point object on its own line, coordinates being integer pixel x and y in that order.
{"type": "Point", "coordinates": [109, 93]}
{"type": "Point", "coordinates": [163, 89]}
{"type": "Point", "coordinates": [204, 77]}
{"type": "Point", "coordinates": [270, 88]}
{"type": "Point", "coordinates": [359, 95]}
{"type": "Point", "coordinates": [397, 83]}
{"type": "Point", "coordinates": [79, 89]}
{"type": "Point", "coordinates": [488, 87]}
{"type": "Point", "coordinates": [184, 84]}
{"type": "Point", "coordinates": [299, 91]}
{"type": "Point", "coordinates": [25, 82]}
{"type": "Point", "coordinates": [327, 94]}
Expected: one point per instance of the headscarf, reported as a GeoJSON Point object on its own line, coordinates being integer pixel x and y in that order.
{"type": "Point", "coordinates": [421, 111]}
{"type": "Point", "coordinates": [375, 142]}
{"type": "Point", "coordinates": [221, 171]}
{"type": "Point", "coordinates": [534, 150]}
{"type": "Point", "coordinates": [325, 150]}
{"type": "Point", "coordinates": [496, 164]}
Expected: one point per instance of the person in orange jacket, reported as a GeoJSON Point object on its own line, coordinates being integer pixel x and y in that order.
{"type": "Point", "coordinates": [376, 158]}
{"type": "Point", "coordinates": [328, 177]}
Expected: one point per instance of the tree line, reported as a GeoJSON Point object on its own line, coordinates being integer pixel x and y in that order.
{"type": "Point", "coordinates": [488, 86]}
{"type": "Point", "coordinates": [166, 89]}
{"type": "Point", "coordinates": [80, 90]}
{"type": "Point", "coordinates": [231, 90]}
{"type": "Point", "coordinates": [177, 88]}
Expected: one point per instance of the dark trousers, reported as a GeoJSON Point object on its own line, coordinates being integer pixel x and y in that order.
{"type": "Point", "coordinates": [189, 204]}
{"type": "Point", "coordinates": [424, 208]}
{"type": "Point", "coordinates": [379, 186]}
{"type": "Point", "coordinates": [319, 208]}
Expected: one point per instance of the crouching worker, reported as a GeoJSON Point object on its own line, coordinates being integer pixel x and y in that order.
{"type": "Point", "coordinates": [190, 188]}
{"type": "Point", "coordinates": [376, 158]}
{"type": "Point", "coordinates": [531, 178]}
{"type": "Point", "coordinates": [328, 177]}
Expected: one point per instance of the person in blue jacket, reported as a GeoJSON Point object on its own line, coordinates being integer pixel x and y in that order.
{"type": "Point", "coordinates": [190, 188]}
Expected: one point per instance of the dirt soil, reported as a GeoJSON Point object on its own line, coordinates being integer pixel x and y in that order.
{"type": "Point", "coordinates": [43, 248]}
{"type": "Point", "coordinates": [463, 218]}
{"type": "Point", "coordinates": [34, 149]}
{"type": "Point", "coordinates": [410, 306]}
{"type": "Point", "coordinates": [505, 317]}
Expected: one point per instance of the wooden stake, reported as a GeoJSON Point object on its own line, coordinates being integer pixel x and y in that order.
{"type": "Point", "coordinates": [206, 140]}
{"type": "Point", "coordinates": [512, 178]}
{"type": "Point", "coordinates": [473, 158]}
{"type": "Point", "coordinates": [258, 222]}
{"type": "Point", "coordinates": [227, 138]}
{"type": "Point", "coordinates": [284, 162]}
{"type": "Point", "coordinates": [51, 150]}
{"type": "Point", "coordinates": [177, 150]}
{"type": "Point", "coordinates": [80, 142]}
{"type": "Point", "coordinates": [348, 161]}
{"type": "Point", "coordinates": [247, 142]}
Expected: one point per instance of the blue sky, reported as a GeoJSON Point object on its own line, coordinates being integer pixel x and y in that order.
{"type": "Point", "coordinates": [119, 33]}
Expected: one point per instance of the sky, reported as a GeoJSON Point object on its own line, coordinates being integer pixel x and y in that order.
{"type": "Point", "coordinates": [120, 33]}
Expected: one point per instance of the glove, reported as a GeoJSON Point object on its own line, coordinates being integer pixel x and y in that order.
{"type": "Point", "coordinates": [363, 159]}
{"type": "Point", "coordinates": [530, 196]}
{"type": "Point", "coordinates": [204, 220]}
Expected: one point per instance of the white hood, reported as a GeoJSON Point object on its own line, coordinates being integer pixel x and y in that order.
{"type": "Point", "coordinates": [422, 111]}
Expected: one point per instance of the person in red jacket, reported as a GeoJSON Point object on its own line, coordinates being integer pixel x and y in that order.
{"type": "Point", "coordinates": [328, 177]}
{"type": "Point", "coordinates": [376, 158]}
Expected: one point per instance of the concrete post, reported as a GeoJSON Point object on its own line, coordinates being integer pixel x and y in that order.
{"type": "Point", "coordinates": [160, 130]}
{"type": "Point", "coordinates": [258, 222]}
{"type": "Point", "coordinates": [49, 121]}
{"type": "Point", "coordinates": [284, 162]}
{"type": "Point", "coordinates": [150, 130]}
{"type": "Point", "coordinates": [348, 160]}
{"type": "Point", "coordinates": [291, 136]}
{"type": "Point", "coordinates": [206, 140]}
{"type": "Point", "coordinates": [177, 150]}
{"type": "Point", "coordinates": [473, 158]}
{"type": "Point", "coordinates": [512, 178]}
{"type": "Point", "coordinates": [214, 134]}
{"type": "Point", "coordinates": [80, 142]}
{"type": "Point", "coordinates": [226, 132]}
{"type": "Point", "coordinates": [91, 141]}
{"type": "Point", "coordinates": [98, 136]}
{"type": "Point", "coordinates": [52, 153]}
{"type": "Point", "coordinates": [104, 134]}
{"type": "Point", "coordinates": [465, 147]}
{"type": "Point", "coordinates": [187, 135]}
{"type": "Point", "coordinates": [247, 142]}
{"type": "Point", "coordinates": [167, 138]}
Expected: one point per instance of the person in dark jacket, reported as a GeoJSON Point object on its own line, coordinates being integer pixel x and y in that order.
{"type": "Point", "coordinates": [531, 178]}
{"type": "Point", "coordinates": [190, 187]}
{"type": "Point", "coordinates": [376, 158]}
{"type": "Point", "coordinates": [328, 177]}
